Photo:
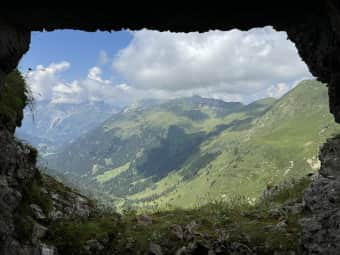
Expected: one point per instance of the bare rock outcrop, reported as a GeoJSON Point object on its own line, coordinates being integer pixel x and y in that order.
{"type": "Point", "coordinates": [16, 171]}
{"type": "Point", "coordinates": [30, 201]}
{"type": "Point", "coordinates": [321, 232]}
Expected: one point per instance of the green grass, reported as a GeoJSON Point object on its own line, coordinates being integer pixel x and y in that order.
{"type": "Point", "coordinates": [70, 236]}
{"type": "Point", "coordinates": [39, 192]}
{"type": "Point", "coordinates": [287, 190]}
{"type": "Point", "coordinates": [278, 147]}
{"type": "Point", "coordinates": [235, 153]}
{"type": "Point", "coordinates": [254, 226]}
{"type": "Point", "coordinates": [14, 96]}
{"type": "Point", "coordinates": [32, 194]}
{"type": "Point", "coordinates": [108, 175]}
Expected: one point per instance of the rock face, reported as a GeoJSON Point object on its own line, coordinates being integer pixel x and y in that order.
{"type": "Point", "coordinates": [14, 42]}
{"type": "Point", "coordinates": [321, 233]}
{"type": "Point", "coordinates": [68, 206]}
{"type": "Point", "coordinates": [317, 39]}
{"type": "Point", "coordinates": [17, 173]}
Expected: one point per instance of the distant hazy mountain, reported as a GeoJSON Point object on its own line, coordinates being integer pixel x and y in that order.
{"type": "Point", "coordinates": [51, 125]}
{"type": "Point", "coordinates": [190, 150]}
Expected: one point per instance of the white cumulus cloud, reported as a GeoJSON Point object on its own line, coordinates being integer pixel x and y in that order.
{"type": "Point", "coordinates": [223, 64]}
{"type": "Point", "coordinates": [232, 65]}
{"type": "Point", "coordinates": [43, 79]}
{"type": "Point", "coordinates": [47, 85]}
{"type": "Point", "coordinates": [278, 90]}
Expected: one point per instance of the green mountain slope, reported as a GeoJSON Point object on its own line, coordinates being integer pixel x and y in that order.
{"type": "Point", "coordinates": [281, 144]}
{"type": "Point", "coordinates": [193, 150]}
{"type": "Point", "coordinates": [142, 144]}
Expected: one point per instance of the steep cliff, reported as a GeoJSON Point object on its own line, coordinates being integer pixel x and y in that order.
{"type": "Point", "coordinates": [321, 233]}
{"type": "Point", "coordinates": [29, 201]}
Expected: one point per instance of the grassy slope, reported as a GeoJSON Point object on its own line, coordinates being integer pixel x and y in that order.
{"type": "Point", "coordinates": [103, 154]}
{"type": "Point", "coordinates": [223, 224]}
{"type": "Point", "coordinates": [244, 148]}
{"type": "Point", "coordinates": [282, 144]}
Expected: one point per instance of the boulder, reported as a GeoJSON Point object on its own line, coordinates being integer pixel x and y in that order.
{"type": "Point", "coordinates": [38, 232]}
{"type": "Point", "coordinates": [37, 212]}
{"type": "Point", "coordinates": [47, 249]}
{"type": "Point", "coordinates": [155, 249]}
{"type": "Point", "coordinates": [177, 230]}
{"type": "Point", "coordinates": [144, 220]}
{"type": "Point", "coordinates": [94, 245]}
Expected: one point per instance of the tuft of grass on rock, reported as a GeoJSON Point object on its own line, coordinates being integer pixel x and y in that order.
{"type": "Point", "coordinates": [14, 97]}
{"type": "Point", "coordinates": [288, 190]}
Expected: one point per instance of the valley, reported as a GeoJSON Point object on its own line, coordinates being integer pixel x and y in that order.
{"type": "Point", "coordinates": [186, 152]}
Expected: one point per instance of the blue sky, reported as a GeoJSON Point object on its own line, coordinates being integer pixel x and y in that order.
{"type": "Point", "coordinates": [122, 67]}
{"type": "Point", "coordinates": [82, 49]}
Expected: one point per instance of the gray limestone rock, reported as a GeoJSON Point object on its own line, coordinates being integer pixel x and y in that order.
{"type": "Point", "coordinates": [321, 232]}
{"type": "Point", "coordinates": [37, 212]}
{"type": "Point", "coordinates": [155, 249]}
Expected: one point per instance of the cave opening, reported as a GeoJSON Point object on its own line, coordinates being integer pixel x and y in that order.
{"type": "Point", "coordinates": [40, 215]}
{"type": "Point", "coordinates": [146, 119]}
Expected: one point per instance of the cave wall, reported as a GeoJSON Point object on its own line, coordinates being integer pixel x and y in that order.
{"type": "Point", "coordinates": [317, 39]}
{"type": "Point", "coordinates": [14, 42]}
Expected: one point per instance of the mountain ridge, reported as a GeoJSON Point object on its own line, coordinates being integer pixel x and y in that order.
{"type": "Point", "coordinates": [186, 150]}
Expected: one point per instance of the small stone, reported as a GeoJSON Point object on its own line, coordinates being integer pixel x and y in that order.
{"type": "Point", "coordinates": [181, 251]}
{"type": "Point", "coordinates": [43, 190]}
{"type": "Point", "coordinates": [275, 213]}
{"type": "Point", "coordinates": [94, 245]}
{"type": "Point", "coordinates": [129, 243]}
{"type": "Point", "coordinates": [240, 248]}
{"type": "Point", "coordinates": [55, 215]}
{"type": "Point", "coordinates": [155, 249]}
{"type": "Point", "coordinates": [281, 224]}
{"type": "Point", "coordinates": [294, 209]}
{"type": "Point", "coordinates": [222, 235]}
{"type": "Point", "coordinates": [37, 212]}
{"type": "Point", "coordinates": [144, 220]}
{"type": "Point", "coordinates": [191, 227]}
{"type": "Point", "coordinates": [177, 230]}
{"type": "Point", "coordinates": [39, 231]}
{"type": "Point", "coordinates": [47, 249]}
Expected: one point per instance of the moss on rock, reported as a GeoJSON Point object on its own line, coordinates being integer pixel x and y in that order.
{"type": "Point", "coordinates": [14, 96]}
